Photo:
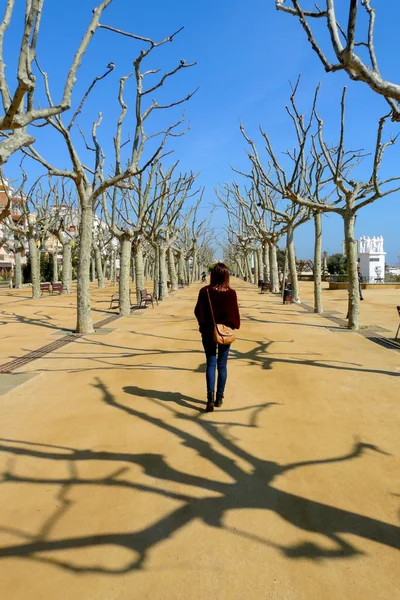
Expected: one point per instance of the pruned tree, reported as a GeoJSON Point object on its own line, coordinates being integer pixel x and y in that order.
{"type": "Point", "coordinates": [91, 182]}
{"type": "Point", "coordinates": [263, 225]}
{"type": "Point", "coordinates": [163, 230]}
{"type": "Point", "coordinates": [284, 213]}
{"type": "Point", "coordinates": [302, 175]}
{"type": "Point", "coordinates": [345, 44]}
{"type": "Point", "coordinates": [20, 108]}
{"type": "Point", "coordinates": [322, 181]}
{"type": "Point", "coordinates": [32, 221]}
{"type": "Point", "coordinates": [239, 231]}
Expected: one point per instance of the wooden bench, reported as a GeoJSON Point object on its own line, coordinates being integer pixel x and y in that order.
{"type": "Point", "coordinates": [56, 287]}
{"type": "Point", "coordinates": [147, 298]}
{"type": "Point", "coordinates": [398, 329]}
{"type": "Point", "coordinates": [45, 287]}
{"type": "Point", "coordinates": [115, 299]}
{"type": "Point", "coordinates": [265, 286]}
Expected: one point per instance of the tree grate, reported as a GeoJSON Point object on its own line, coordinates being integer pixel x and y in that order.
{"type": "Point", "coordinates": [369, 333]}
{"type": "Point", "coordinates": [39, 353]}
{"type": "Point", "coordinates": [381, 341]}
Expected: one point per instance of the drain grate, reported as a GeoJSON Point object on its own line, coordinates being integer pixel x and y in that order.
{"type": "Point", "coordinates": [39, 353]}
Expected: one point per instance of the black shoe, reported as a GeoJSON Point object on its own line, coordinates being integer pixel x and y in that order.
{"type": "Point", "coordinates": [218, 401]}
{"type": "Point", "coordinates": [361, 298]}
{"type": "Point", "coordinates": [210, 402]}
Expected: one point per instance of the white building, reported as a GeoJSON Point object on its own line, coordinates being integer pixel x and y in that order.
{"type": "Point", "coordinates": [371, 258]}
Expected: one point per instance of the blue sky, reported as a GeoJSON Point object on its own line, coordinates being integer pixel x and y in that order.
{"type": "Point", "coordinates": [246, 53]}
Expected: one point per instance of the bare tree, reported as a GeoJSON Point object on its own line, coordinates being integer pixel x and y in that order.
{"type": "Point", "coordinates": [303, 177]}
{"type": "Point", "coordinates": [325, 184]}
{"type": "Point", "coordinates": [345, 45]}
{"type": "Point", "coordinates": [263, 225]}
{"type": "Point", "coordinates": [163, 232]}
{"type": "Point", "coordinates": [19, 109]}
{"type": "Point", "coordinates": [92, 183]}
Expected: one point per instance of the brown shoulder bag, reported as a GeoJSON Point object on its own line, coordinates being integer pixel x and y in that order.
{"type": "Point", "coordinates": [222, 334]}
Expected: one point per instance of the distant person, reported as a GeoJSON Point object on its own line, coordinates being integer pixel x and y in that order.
{"type": "Point", "coordinates": [203, 276]}
{"type": "Point", "coordinates": [360, 278]}
{"type": "Point", "coordinates": [223, 301]}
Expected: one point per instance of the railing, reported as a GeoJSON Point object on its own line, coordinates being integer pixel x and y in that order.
{"type": "Point", "coordinates": [388, 278]}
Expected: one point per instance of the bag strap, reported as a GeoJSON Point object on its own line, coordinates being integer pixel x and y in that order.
{"type": "Point", "coordinates": [212, 312]}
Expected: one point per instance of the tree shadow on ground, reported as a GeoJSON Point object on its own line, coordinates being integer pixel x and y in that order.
{"type": "Point", "coordinates": [260, 355]}
{"type": "Point", "coordinates": [39, 319]}
{"type": "Point", "coordinates": [243, 487]}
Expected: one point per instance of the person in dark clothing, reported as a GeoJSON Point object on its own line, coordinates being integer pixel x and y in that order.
{"type": "Point", "coordinates": [226, 312]}
{"type": "Point", "coordinates": [359, 283]}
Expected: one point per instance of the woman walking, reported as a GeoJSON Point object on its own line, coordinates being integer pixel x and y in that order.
{"type": "Point", "coordinates": [217, 303]}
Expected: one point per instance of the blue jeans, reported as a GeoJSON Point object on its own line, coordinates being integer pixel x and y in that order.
{"type": "Point", "coordinates": [213, 363]}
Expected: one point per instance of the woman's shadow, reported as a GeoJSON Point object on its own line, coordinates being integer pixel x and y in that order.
{"type": "Point", "coordinates": [176, 397]}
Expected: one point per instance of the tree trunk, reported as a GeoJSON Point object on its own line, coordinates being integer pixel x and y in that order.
{"type": "Point", "coordinates": [240, 268]}
{"type": "Point", "coordinates": [67, 268]}
{"type": "Point", "coordinates": [260, 264]}
{"type": "Point", "coordinates": [284, 274]}
{"type": "Point", "coordinates": [181, 268]}
{"type": "Point", "coordinates": [139, 269]}
{"type": "Point", "coordinates": [35, 266]}
{"type": "Point", "coordinates": [113, 271]}
{"type": "Point", "coordinates": [163, 271]}
{"type": "Point", "coordinates": [93, 271]}
{"type": "Point", "coordinates": [187, 268]}
{"type": "Point", "coordinates": [156, 272]}
{"type": "Point", "coordinates": [351, 254]}
{"type": "Point", "coordinates": [172, 270]}
{"type": "Point", "coordinates": [55, 266]}
{"type": "Point", "coordinates": [265, 257]}
{"type": "Point", "coordinates": [255, 260]}
{"type": "Point", "coordinates": [194, 262]}
{"type": "Point", "coordinates": [124, 276]}
{"type": "Point", "coordinates": [84, 317]}
{"type": "Point", "coordinates": [133, 270]}
{"type": "Point", "coordinates": [148, 269]}
{"type": "Point", "coordinates": [292, 265]}
{"type": "Point", "coordinates": [99, 267]}
{"type": "Point", "coordinates": [18, 268]}
{"type": "Point", "coordinates": [273, 265]}
{"type": "Point", "coordinates": [248, 268]}
{"type": "Point", "coordinates": [317, 263]}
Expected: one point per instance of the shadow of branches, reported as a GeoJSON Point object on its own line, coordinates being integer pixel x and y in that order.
{"type": "Point", "coordinates": [243, 487]}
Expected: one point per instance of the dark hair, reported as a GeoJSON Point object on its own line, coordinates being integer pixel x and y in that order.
{"type": "Point", "coordinates": [219, 277]}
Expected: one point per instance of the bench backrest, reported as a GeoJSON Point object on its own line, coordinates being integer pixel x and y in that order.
{"type": "Point", "coordinates": [44, 285]}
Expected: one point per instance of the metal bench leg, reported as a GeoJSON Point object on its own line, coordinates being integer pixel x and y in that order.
{"type": "Point", "coordinates": [397, 333]}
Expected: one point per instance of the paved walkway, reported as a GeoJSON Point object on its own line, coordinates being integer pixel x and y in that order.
{"type": "Point", "coordinates": [116, 484]}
